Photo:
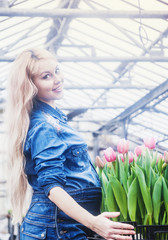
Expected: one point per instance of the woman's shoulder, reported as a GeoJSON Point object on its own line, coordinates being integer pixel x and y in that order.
{"type": "Point", "coordinates": [36, 118]}
{"type": "Point", "coordinates": [42, 121]}
{"type": "Point", "coordinates": [38, 121]}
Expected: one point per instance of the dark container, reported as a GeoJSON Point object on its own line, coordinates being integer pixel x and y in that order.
{"type": "Point", "coordinates": [145, 232]}
{"type": "Point", "coordinates": [152, 232]}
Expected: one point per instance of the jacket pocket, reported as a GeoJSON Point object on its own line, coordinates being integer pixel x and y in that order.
{"type": "Point", "coordinates": [29, 231]}
{"type": "Point", "coordinates": [77, 159]}
{"type": "Point", "coordinates": [41, 213]}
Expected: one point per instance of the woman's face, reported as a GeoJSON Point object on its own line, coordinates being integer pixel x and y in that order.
{"type": "Point", "coordinates": [49, 81]}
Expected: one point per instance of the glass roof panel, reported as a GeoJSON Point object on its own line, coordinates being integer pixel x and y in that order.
{"type": "Point", "coordinates": [109, 64]}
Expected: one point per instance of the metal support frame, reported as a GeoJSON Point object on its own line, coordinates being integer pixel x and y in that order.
{"type": "Point", "coordinates": [78, 13]}
{"type": "Point", "coordinates": [69, 14]}
{"type": "Point", "coordinates": [122, 69]}
{"type": "Point", "coordinates": [156, 92]}
{"type": "Point", "coordinates": [100, 59]}
{"type": "Point", "coordinates": [95, 146]}
{"type": "Point", "coordinates": [60, 27]}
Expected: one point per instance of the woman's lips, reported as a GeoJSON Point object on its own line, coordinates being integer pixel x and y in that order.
{"type": "Point", "coordinates": [58, 89]}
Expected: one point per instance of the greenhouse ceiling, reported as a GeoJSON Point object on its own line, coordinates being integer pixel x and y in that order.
{"type": "Point", "coordinates": [114, 57]}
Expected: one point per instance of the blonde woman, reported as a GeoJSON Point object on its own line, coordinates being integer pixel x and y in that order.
{"type": "Point", "coordinates": [49, 155]}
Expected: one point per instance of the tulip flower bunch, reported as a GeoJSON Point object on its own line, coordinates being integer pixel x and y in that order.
{"type": "Point", "coordinates": [136, 184]}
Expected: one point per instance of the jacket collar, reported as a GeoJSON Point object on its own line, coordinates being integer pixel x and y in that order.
{"type": "Point", "coordinates": [54, 112]}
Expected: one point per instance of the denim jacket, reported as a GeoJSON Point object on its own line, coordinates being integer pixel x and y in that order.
{"type": "Point", "coordinates": [56, 155]}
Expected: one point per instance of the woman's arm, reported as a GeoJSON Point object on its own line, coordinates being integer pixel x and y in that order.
{"type": "Point", "coordinates": [99, 224]}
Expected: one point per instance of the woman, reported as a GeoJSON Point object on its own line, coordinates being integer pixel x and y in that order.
{"type": "Point", "coordinates": [48, 154]}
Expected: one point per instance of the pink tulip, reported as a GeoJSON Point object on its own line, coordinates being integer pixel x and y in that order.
{"type": "Point", "coordinates": [159, 156]}
{"type": "Point", "coordinates": [123, 146]}
{"type": "Point", "coordinates": [166, 157]}
{"type": "Point", "coordinates": [150, 142]}
{"type": "Point", "coordinates": [121, 157]}
{"type": "Point", "coordinates": [130, 157]}
{"type": "Point", "coordinates": [138, 150]}
{"type": "Point", "coordinates": [100, 162]}
{"type": "Point", "coordinates": [109, 154]}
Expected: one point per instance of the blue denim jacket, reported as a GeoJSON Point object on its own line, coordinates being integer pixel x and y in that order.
{"type": "Point", "coordinates": [56, 155]}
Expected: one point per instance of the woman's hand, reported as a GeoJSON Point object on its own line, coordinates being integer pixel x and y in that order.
{"type": "Point", "coordinates": [111, 230]}
{"type": "Point", "coordinates": [100, 162]}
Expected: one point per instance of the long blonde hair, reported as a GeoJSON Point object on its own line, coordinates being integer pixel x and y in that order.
{"type": "Point", "coordinates": [21, 93]}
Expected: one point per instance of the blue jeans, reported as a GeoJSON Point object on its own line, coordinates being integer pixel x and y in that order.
{"type": "Point", "coordinates": [44, 220]}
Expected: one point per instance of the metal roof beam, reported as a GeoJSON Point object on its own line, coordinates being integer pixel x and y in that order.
{"type": "Point", "coordinates": [78, 13]}
{"type": "Point", "coordinates": [123, 69]}
{"type": "Point", "coordinates": [92, 107]}
{"type": "Point", "coordinates": [100, 59]}
{"type": "Point", "coordinates": [60, 26]}
{"type": "Point", "coordinates": [156, 92]}
{"type": "Point", "coordinates": [95, 87]}
{"type": "Point", "coordinates": [75, 113]}
{"type": "Point", "coordinates": [125, 86]}
{"type": "Point", "coordinates": [148, 128]}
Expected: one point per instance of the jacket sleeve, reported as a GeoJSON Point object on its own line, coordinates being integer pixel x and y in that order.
{"type": "Point", "coordinates": [47, 151]}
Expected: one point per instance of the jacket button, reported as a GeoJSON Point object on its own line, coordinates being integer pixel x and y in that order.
{"type": "Point", "coordinates": [22, 229]}
{"type": "Point", "coordinates": [77, 152]}
{"type": "Point", "coordinates": [63, 232]}
{"type": "Point", "coordinates": [42, 235]}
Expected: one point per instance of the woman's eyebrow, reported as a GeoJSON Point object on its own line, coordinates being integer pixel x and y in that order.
{"type": "Point", "coordinates": [44, 72]}
{"type": "Point", "coordinates": [48, 71]}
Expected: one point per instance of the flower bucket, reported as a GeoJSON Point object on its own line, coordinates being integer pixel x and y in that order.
{"type": "Point", "coordinates": [96, 237]}
{"type": "Point", "coordinates": [145, 232]}
{"type": "Point", "coordinates": [152, 232]}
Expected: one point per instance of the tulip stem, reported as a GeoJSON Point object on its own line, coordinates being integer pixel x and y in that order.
{"type": "Point", "coordinates": [150, 219]}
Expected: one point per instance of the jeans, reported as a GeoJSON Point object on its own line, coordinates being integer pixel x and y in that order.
{"type": "Point", "coordinates": [44, 220]}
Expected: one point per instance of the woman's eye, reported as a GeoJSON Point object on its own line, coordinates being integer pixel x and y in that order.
{"type": "Point", "coordinates": [46, 76]}
{"type": "Point", "coordinates": [57, 70]}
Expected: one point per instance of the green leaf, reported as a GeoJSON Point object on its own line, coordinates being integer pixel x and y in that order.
{"type": "Point", "coordinates": [130, 179]}
{"type": "Point", "coordinates": [164, 218]}
{"type": "Point", "coordinates": [102, 207]}
{"type": "Point", "coordinates": [110, 201]}
{"type": "Point", "coordinates": [141, 205]}
{"type": "Point", "coordinates": [144, 190]}
{"type": "Point", "coordinates": [156, 199]}
{"type": "Point", "coordinates": [147, 167]}
{"type": "Point", "coordinates": [132, 199]}
{"type": "Point", "coordinates": [123, 175]}
{"type": "Point", "coordinates": [116, 163]}
{"type": "Point", "coordinates": [154, 178]}
{"type": "Point", "coordinates": [139, 160]}
{"type": "Point", "coordinates": [160, 162]}
{"type": "Point", "coordinates": [120, 196]}
{"type": "Point", "coordinates": [166, 172]}
{"type": "Point", "coordinates": [153, 163]}
{"type": "Point", "coordinates": [165, 196]}
{"type": "Point", "coordinates": [104, 180]}
{"type": "Point", "coordinates": [126, 166]}
{"type": "Point", "coordinates": [112, 171]}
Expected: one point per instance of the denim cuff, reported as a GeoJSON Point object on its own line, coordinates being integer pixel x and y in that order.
{"type": "Point", "coordinates": [48, 188]}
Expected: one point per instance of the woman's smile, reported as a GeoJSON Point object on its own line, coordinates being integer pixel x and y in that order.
{"type": "Point", "coordinates": [58, 88]}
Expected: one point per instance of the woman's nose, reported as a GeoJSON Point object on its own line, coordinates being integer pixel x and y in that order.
{"type": "Point", "coordinates": [58, 79]}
